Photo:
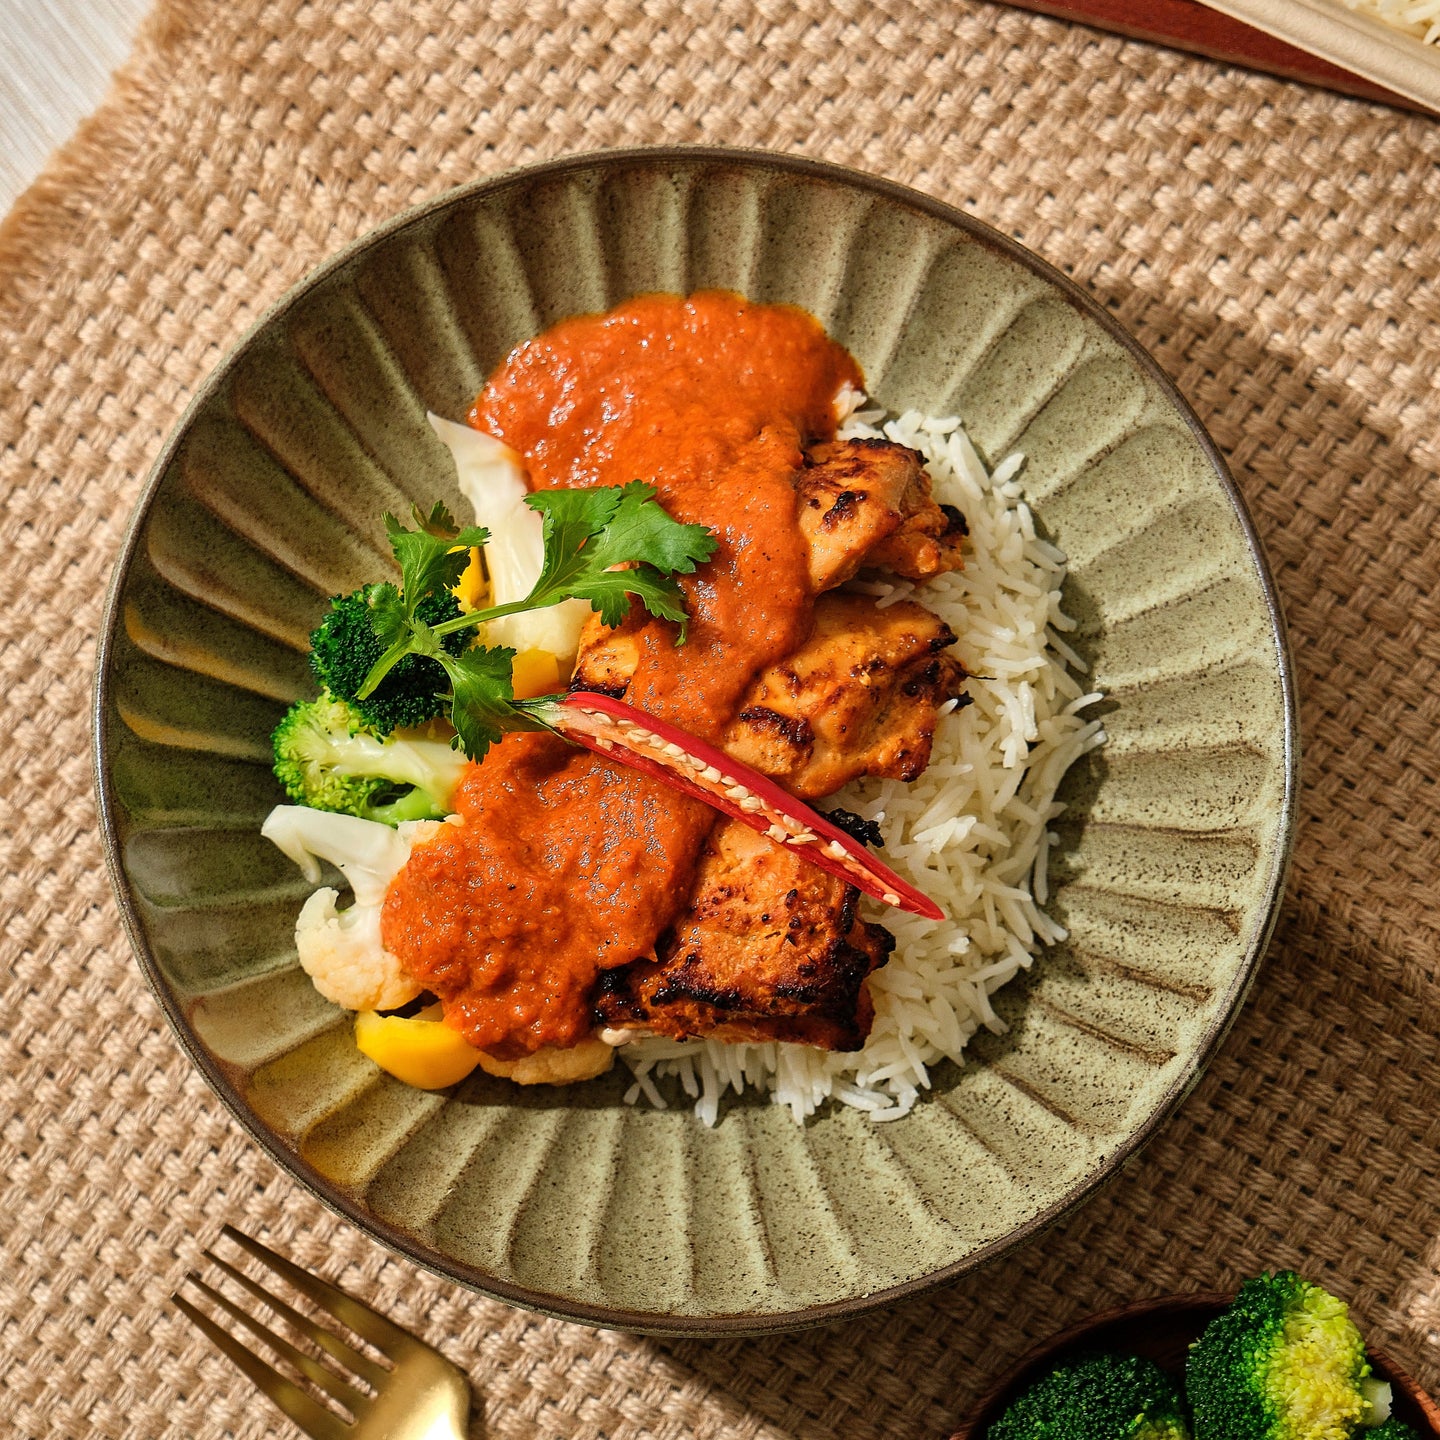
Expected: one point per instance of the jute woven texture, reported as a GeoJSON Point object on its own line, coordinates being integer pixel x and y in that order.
{"type": "Point", "coordinates": [1276, 247]}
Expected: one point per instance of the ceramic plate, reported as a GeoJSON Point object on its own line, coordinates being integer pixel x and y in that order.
{"type": "Point", "coordinates": [266, 501]}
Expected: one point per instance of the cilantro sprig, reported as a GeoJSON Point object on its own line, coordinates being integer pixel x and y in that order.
{"type": "Point", "coordinates": [605, 545]}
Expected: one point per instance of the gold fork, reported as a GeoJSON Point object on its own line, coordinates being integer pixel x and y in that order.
{"type": "Point", "coordinates": [417, 1393]}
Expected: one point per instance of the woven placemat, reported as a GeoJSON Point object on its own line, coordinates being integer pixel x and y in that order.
{"type": "Point", "coordinates": [1277, 247]}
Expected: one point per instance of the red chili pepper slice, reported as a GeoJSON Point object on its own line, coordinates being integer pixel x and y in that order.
{"type": "Point", "coordinates": [686, 763]}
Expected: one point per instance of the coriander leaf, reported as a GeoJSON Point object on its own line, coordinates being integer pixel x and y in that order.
{"type": "Point", "coordinates": [572, 518]}
{"type": "Point", "coordinates": [414, 637]}
{"type": "Point", "coordinates": [439, 522]}
{"type": "Point", "coordinates": [388, 618]}
{"type": "Point", "coordinates": [604, 545]}
{"type": "Point", "coordinates": [483, 708]}
{"type": "Point", "coordinates": [482, 705]}
{"type": "Point", "coordinates": [578, 513]}
{"type": "Point", "coordinates": [641, 530]}
{"type": "Point", "coordinates": [609, 592]}
{"type": "Point", "coordinates": [589, 532]}
{"type": "Point", "coordinates": [393, 627]}
{"type": "Point", "coordinates": [423, 639]}
{"type": "Point", "coordinates": [429, 563]}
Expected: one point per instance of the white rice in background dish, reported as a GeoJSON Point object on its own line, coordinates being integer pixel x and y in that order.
{"type": "Point", "coordinates": [1420, 18]}
{"type": "Point", "coordinates": [972, 832]}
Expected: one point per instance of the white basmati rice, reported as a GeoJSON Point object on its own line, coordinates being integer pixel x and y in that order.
{"type": "Point", "coordinates": [972, 832]}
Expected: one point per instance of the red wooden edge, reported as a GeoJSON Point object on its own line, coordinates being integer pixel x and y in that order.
{"type": "Point", "coordinates": [1189, 25]}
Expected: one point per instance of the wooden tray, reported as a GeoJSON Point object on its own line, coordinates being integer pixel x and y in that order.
{"type": "Point", "coordinates": [1189, 25]}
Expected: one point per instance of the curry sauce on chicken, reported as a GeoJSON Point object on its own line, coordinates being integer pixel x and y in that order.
{"type": "Point", "coordinates": [578, 896]}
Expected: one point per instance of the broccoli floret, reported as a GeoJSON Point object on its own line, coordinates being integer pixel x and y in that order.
{"type": "Point", "coordinates": [1099, 1397]}
{"type": "Point", "coordinates": [1284, 1362]}
{"type": "Point", "coordinates": [345, 647]}
{"type": "Point", "coordinates": [1392, 1429]}
{"type": "Point", "coordinates": [328, 758]}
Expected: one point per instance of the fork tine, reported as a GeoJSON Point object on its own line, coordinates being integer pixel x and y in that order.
{"type": "Point", "coordinates": [364, 1321]}
{"type": "Point", "coordinates": [354, 1400]}
{"type": "Point", "coordinates": [333, 1345]}
{"type": "Point", "coordinates": [312, 1417]}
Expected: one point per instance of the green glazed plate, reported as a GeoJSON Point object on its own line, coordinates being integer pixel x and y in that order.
{"type": "Point", "coordinates": [267, 499]}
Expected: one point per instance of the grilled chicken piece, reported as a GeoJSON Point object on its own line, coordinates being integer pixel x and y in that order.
{"type": "Point", "coordinates": [862, 503]}
{"type": "Point", "coordinates": [868, 502]}
{"type": "Point", "coordinates": [769, 948]}
{"type": "Point", "coordinates": [858, 698]}
{"type": "Point", "coordinates": [608, 654]}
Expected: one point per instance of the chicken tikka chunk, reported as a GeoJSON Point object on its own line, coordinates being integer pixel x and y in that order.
{"type": "Point", "coordinates": [860, 697]}
{"type": "Point", "coordinates": [868, 503]}
{"type": "Point", "coordinates": [770, 947]}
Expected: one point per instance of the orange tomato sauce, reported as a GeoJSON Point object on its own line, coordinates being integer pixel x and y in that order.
{"type": "Point", "coordinates": [567, 864]}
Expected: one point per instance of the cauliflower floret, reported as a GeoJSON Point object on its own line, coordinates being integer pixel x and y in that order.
{"type": "Point", "coordinates": [341, 950]}
{"type": "Point", "coordinates": [550, 1066]}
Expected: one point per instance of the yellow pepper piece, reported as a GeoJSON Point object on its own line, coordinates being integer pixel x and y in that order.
{"type": "Point", "coordinates": [470, 587]}
{"type": "Point", "coordinates": [423, 1051]}
{"type": "Point", "coordinates": [535, 672]}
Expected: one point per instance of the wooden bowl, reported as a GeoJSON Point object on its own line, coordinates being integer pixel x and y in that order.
{"type": "Point", "coordinates": [1162, 1330]}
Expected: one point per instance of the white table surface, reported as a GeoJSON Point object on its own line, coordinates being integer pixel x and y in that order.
{"type": "Point", "coordinates": [56, 58]}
